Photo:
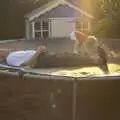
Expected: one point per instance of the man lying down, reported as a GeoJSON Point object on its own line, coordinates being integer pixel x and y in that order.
{"type": "Point", "coordinates": [22, 58]}
{"type": "Point", "coordinates": [41, 58]}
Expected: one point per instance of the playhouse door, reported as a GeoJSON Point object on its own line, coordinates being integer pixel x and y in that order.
{"type": "Point", "coordinates": [61, 27]}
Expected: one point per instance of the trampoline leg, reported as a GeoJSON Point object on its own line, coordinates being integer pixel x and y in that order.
{"type": "Point", "coordinates": [74, 100]}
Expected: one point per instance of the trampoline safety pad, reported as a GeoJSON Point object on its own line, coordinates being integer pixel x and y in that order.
{"type": "Point", "coordinates": [114, 69]}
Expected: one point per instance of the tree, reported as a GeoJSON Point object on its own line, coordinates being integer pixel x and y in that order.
{"type": "Point", "coordinates": [107, 24]}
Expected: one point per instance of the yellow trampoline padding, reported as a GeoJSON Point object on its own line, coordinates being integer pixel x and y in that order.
{"type": "Point", "coordinates": [77, 72]}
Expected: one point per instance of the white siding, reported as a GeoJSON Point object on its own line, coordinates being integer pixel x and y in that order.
{"type": "Point", "coordinates": [62, 27]}
{"type": "Point", "coordinates": [28, 29]}
{"type": "Point", "coordinates": [33, 30]}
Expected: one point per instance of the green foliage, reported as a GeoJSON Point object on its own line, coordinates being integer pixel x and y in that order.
{"type": "Point", "coordinates": [107, 25]}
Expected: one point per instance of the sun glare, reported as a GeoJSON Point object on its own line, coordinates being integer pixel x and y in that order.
{"type": "Point", "coordinates": [85, 5]}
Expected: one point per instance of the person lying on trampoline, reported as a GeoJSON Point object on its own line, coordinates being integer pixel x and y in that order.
{"type": "Point", "coordinates": [22, 57]}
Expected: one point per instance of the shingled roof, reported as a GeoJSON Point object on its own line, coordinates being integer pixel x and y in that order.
{"type": "Point", "coordinates": [53, 4]}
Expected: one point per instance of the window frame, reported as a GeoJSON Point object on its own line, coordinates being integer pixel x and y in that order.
{"type": "Point", "coordinates": [42, 29]}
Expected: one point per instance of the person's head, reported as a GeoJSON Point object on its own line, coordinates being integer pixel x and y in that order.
{"type": "Point", "coordinates": [41, 48]}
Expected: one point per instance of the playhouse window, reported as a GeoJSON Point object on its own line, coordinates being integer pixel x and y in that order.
{"type": "Point", "coordinates": [41, 29]}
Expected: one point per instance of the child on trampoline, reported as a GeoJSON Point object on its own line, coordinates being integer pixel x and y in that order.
{"type": "Point", "coordinates": [22, 57]}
